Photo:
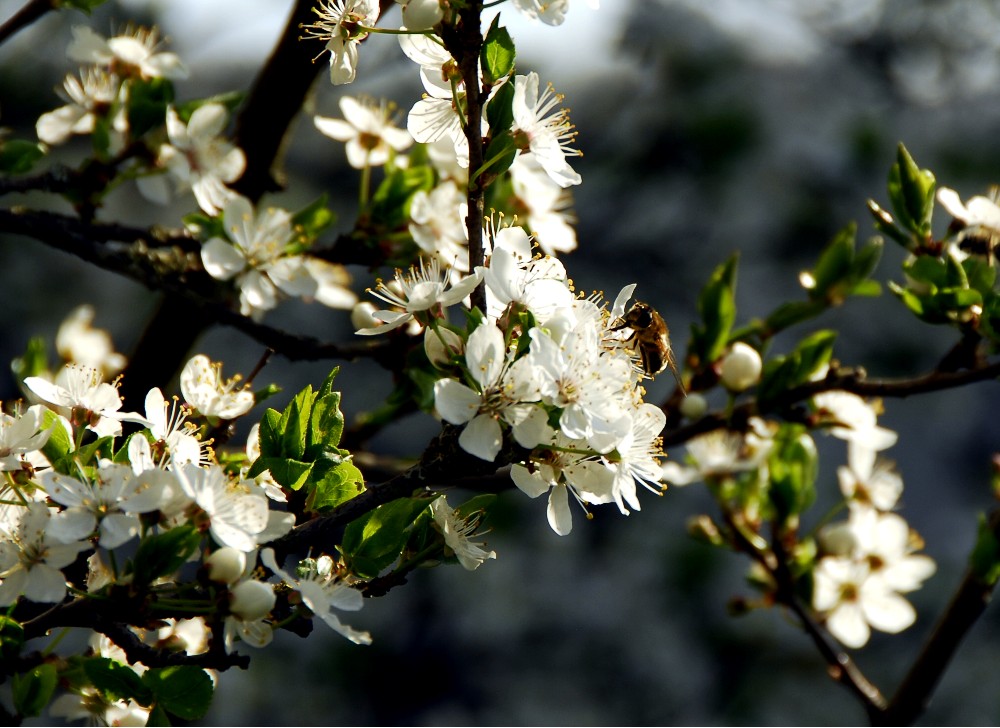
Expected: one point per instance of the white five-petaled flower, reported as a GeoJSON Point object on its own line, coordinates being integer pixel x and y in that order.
{"type": "Point", "coordinates": [424, 289]}
{"type": "Point", "coordinates": [979, 211]}
{"type": "Point", "coordinates": [112, 500]}
{"type": "Point", "coordinates": [862, 587]}
{"type": "Point", "coordinates": [238, 516]}
{"type": "Point", "coordinates": [31, 557]}
{"type": "Point", "coordinates": [323, 592]}
{"type": "Point", "coordinates": [562, 471]}
{"type": "Point", "coordinates": [369, 133]}
{"type": "Point", "coordinates": [21, 435]}
{"type": "Point", "coordinates": [721, 453]}
{"type": "Point", "coordinates": [502, 392]}
{"type": "Point", "coordinates": [174, 441]}
{"type": "Point", "coordinates": [257, 255]}
{"type": "Point", "coordinates": [550, 12]}
{"type": "Point", "coordinates": [197, 158]}
{"type": "Point", "coordinates": [543, 207]}
{"type": "Point", "coordinates": [208, 394]}
{"type": "Point", "coordinates": [133, 53]}
{"type": "Point", "coordinates": [92, 402]}
{"type": "Point", "coordinates": [867, 481]}
{"type": "Point", "coordinates": [438, 224]}
{"type": "Point", "coordinates": [853, 419]}
{"type": "Point", "coordinates": [546, 135]}
{"type": "Point", "coordinates": [342, 25]}
{"type": "Point", "coordinates": [637, 457]}
{"type": "Point", "coordinates": [91, 97]}
{"type": "Point", "coordinates": [78, 342]}
{"type": "Point", "coordinates": [457, 532]}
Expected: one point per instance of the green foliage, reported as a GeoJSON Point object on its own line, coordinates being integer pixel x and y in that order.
{"type": "Point", "coordinates": [184, 691]}
{"type": "Point", "coordinates": [300, 448]}
{"type": "Point", "coordinates": [717, 306]}
{"type": "Point", "coordinates": [985, 558]}
{"type": "Point", "coordinates": [147, 104]}
{"type": "Point", "coordinates": [11, 637]}
{"type": "Point", "coordinates": [33, 689]}
{"type": "Point", "coordinates": [374, 541]}
{"type": "Point", "coordinates": [116, 681]}
{"type": "Point", "coordinates": [390, 203]}
{"type": "Point", "coordinates": [782, 373]}
{"type": "Point", "coordinates": [33, 362]}
{"type": "Point", "coordinates": [911, 193]}
{"type": "Point", "coordinates": [792, 467]}
{"type": "Point", "coordinates": [500, 110]}
{"type": "Point", "coordinates": [497, 54]}
{"type": "Point", "coordinates": [84, 6]}
{"type": "Point", "coordinates": [315, 218]}
{"type": "Point", "coordinates": [163, 553]}
{"type": "Point", "coordinates": [18, 156]}
{"type": "Point", "coordinates": [942, 290]}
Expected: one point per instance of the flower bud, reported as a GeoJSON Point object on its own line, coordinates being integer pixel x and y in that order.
{"type": "Point", "coordinates": [422, 14]}
{"type": "Point", "coordinates": [837, 539]}
{"type": "Point", "coordinates": [741, 367]}
{"type": "Point", "coordinates": [441, 345]}
{"type": "Point", "coordinates": [694, 406]}
{"type": "Point", "coordinates": [226, 565]}
{"type": "Point", "coordinates": [251, 600]}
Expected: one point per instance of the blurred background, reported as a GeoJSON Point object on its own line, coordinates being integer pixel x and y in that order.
{"type": "Point", "coordinates": [708, 127]}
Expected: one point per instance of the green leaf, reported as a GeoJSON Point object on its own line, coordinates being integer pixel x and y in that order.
{"type": "Point", "coordinates": [181, 690]}
{"type": "Point", "coordinates": [784, 372]}
{"type": "Point", "coordinates": [390, 201]}
{"type": "Point", "coordinates": [147, 104]}
{"type": "Point", "coordinates": [886, 225]}
{"type": "Point", "coordinates": [294, 424]}
{"type": "Point", "coordinates": [11, 637]}
{"type": "Point", "coordinates": [157, 718]}
{"type": "Point", "coordinates": [497, 54]}
{"type": "Point", "coordinates": [315, 218]}
{"type": "Point", "coordinates": [500, 109]}
{"type": "Point", "coordinates": [499, 154]}
{"type": "Point", "coordinates": [984, 560]}
{"type": "Point", "coordinates": [164, 553]}
{"type": "Point", "coordinates": [270, 433]}
{"type": "Point", "coordinates": [117, 681]}
{"type": "Point", "coordinates": [337, 485]}
{"type": "Point", "coordinates": [18, 156]}
{"type": "Point", "coordinates": [285, 471]}
{"type": "Point", "coordinates": [374, 541]}
{"type": "Point", "coordinates": [326, 424]}
{"type": "Point", "coordinates": [835, 263]}
{"type": "Point", "coordinates": [85, 6]}
{"type": "Point", "coordinates": [717, 306]}
{"type": "Point", "coordinates": [792, 467]}
{"type": "Point", "coordinates": [33, 689]}
{"type": "Point", "coordinates": [911, 192]}
{"type": "Point", "coordinates": [33, 362]}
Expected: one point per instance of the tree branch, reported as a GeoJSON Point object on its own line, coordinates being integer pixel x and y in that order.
{"type": "Point", "coordinates": [965, 608]}
{"type": "Point", "coordinates": [166, 266]}
{"type": "Point", "coordinates": [28, 14]}
{"type": "Point", "coordinates": [851, 380]}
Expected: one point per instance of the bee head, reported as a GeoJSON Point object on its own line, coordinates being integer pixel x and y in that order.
{"type": "Point", "coordinates": [639, 316]}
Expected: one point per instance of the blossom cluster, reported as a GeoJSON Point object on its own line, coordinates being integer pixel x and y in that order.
{"type": "Point", "coordinates": [864, 564]}
{"type": "Point", "coordinates": [68, 496]}
{"type": "Point", "coordinates": [542, 368]}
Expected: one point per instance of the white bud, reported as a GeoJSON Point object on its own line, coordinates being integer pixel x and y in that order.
{"type": "Point", "coordinates": [251, 600]}
{"type": "Point", "coordinates": [226, 565]}
{"type": "Point", "coordinates": [422, 14]}
{"type": "Point", "coordinates": [362, 316]}
{"type": "Point", "coordinates": [694, 406]}
{"type": "Point", "coordinates": [441, 345]}
{"type": "Point", "coordinates": [741, 367]}
{"type": "Point", "coordinates": [837, 539]}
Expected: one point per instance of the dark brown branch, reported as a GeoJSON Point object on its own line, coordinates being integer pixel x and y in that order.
{"type": "Point", "coordinates": [464, 41]}
{"type": "Point", "coordinates": [169, 273]}
{"type": "Point", "coordinates": [965, 608]}
{"type": "Point", "coordinates": [841, 667]}
{"type": "Point", "coordinates": [854, 381]}
{"type": "Point", "coordinates": [28, 14]}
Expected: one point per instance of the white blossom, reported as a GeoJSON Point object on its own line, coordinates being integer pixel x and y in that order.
{"type": "Point", "coordinates": [209, 394]}
{"type": "Point", "coordinates": [340, 25]}
{"type": "Point", "coordinates": [457, 532]}
{"type": "Point", "coordinates": [546, 135]}
{"type": "Point", "coordinates": [133, 53]}
{"type": "Point", "coordinates": [369, 134]}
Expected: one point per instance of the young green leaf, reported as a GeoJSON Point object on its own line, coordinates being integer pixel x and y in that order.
{"type": "Point", "coordinates": [116, 681]}
{"type": "Point", "coordinates": [33, 689]}
{"type": "Point", "coordinates": [181, 690]}
{"type": "Point", "coordinates": [497, 54]}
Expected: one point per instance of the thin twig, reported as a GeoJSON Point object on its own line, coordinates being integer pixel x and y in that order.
{"type": "Point", "coordinates": [28, 14]}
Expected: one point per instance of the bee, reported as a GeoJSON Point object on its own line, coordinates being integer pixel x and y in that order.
{"type": "Point", "coordinates": [651, 339]}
